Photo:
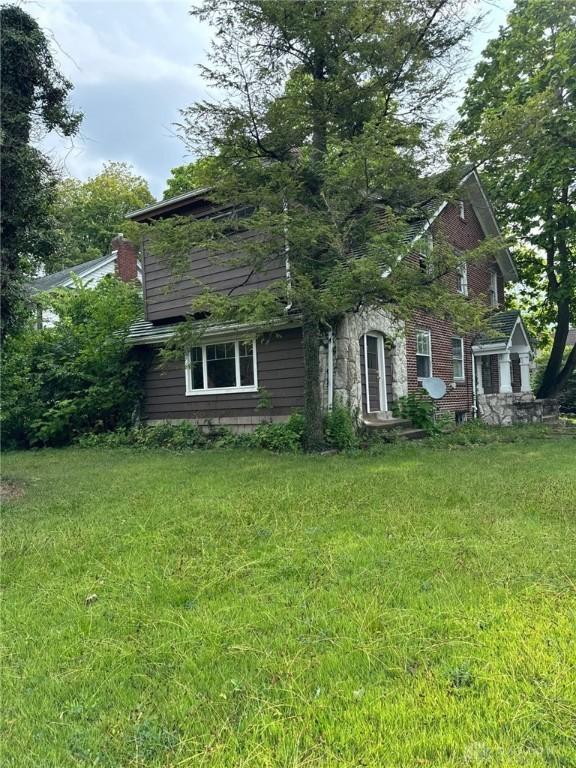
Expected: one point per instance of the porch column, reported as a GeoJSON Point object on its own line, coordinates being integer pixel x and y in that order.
{"type": "Point", "coordinates": [479, 382]}
{"type": "Point", "coordinates": [525, 385]}
{"type": "Point", "coordinates": [505, 373]}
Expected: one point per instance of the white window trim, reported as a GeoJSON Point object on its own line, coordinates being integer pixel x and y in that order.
{"type": "Point", "coordinates": [463, 274]}
{"type": "Point", "coordinates": [429, 355]}
{"type": "Point", "coordinates": [463, 377]}
{"type": "Point", "coordinates": [462, 210]}
{"type": "Point", "coordinates": [220, 390]}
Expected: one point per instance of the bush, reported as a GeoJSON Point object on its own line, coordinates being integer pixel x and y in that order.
{"type": "Point", "coordinates": [418, 408]}
{"type": "Point", "coordinates": [78, 376]}
{"type": "Point", "coordinates": [340, 429]}
{"type": "Point", "coordinates": [478, 433]}
{"type": "Point", "coordinates": [279, 437]}
{"type": "Point", "coordinates": [174, 437]}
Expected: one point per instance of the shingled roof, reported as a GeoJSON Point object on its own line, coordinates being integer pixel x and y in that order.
{"type": "Point", "coordinates": [61, 278]}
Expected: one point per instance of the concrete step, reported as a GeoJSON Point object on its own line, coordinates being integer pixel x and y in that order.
{"type": "Point", "coordinates": [386, 424]}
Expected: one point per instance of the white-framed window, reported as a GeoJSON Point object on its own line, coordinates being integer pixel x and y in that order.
{"type": "Point", "coordinates": [462, 210]}
{"type": "Point", "coordinates": [493, 292]}
{"type": "Point", "coordinates": [458, 358]}
{"type": "Point", "coordinates": [423, 354]}
{"type": "Point", "coordinates": [425, 250]}
{"type": "Point", "coordinates": [462, 278]}
{"type": "Point", "coordinates": [221, 367]}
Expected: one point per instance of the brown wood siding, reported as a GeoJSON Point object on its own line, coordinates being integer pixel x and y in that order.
{"type": "Point", "coordinates": [280, 372]}
{"type": "Point", "coordinates": [171, 295]}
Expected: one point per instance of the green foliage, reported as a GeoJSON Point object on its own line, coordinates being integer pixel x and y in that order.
{"type": "Point", "coordinates": [77, 376]}
{"type": "Point", "coordinates": [34, 97]}
{"type": "Point", "coordinates": [519, 123]}
{"type": "Point", "coordinates": [418, 408]}
{"type": "Point", "coordinates": [173, 437]}
{"type": "Point", "coordinates": [281, 437]}
{"type": "Point", "coordinates": [185, 178]}
{"type": "Point", "coordinates": [475, 433]}
{"type": "Point", "coordinates": [340, 428]}
{"type": "Point", "coordinates": [88, 214]}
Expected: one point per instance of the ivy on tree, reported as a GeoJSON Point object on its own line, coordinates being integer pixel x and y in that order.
{"type": "Point", "coordinates": [34, 99]}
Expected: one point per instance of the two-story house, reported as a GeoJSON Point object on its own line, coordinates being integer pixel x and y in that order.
{"type": "Point", "coordinates": [240, 375]}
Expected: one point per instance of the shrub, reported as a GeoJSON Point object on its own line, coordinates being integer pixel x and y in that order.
{"type": "Point", "coordinates": [418, 408]}
{"type": "Point", "coordinates": [340, 428]}
{"type": "Point", "coordinates": [279, 437]}
{"type": "Point", "coordinates": [78, 376]}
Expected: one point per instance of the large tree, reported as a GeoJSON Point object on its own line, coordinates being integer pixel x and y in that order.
{"type": "Point", "coordinates": [185, 178]}
{"type": "Point", "coordinates": [34, 100]}
{"type": "Point", "coordinates": [324, 129]}
{"type": "Point", "coordinates": [88, 214]}
{"type": "Point", "coordinates": [519, 124]}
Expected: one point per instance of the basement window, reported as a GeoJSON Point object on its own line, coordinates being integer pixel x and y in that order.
{"type": "Point", "coordinates": [221, 368]}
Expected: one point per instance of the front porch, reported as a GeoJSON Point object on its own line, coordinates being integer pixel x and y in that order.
{"type": "Point", "coordinates": [502, 375]}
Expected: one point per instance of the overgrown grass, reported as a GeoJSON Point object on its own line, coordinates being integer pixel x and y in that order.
{"type": "Point", "coordinates": [412, 609]}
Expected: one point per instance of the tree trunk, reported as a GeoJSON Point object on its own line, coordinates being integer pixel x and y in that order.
{"type": "Point", "coordinates": [551, 379]}
{"type": "Point", "coordinates": [314, 433]}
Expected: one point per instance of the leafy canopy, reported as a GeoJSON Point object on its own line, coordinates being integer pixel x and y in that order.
{"type": "Point", "coordinates": [78, 376]}
{"type": "Point", "coordinates": [87, 215]}
{"type": "Point", "coordinates": [34, 98]}
{"type": "Point", "coordinates": [519, 123]}
{"type": "Point", "coordinates": [185, 178]}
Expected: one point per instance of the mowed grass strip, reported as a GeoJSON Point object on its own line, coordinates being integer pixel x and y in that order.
{"type": "Point", "coordinates": [415, 609]}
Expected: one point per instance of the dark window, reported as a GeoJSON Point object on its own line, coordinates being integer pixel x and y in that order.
{"type": "Point", "coordinates": [221, 365]}
{"type": "Point", "coordinates": [423, 355]}
{"type": "Point", "coordinates": [372, 352]}
{"type": "Point", "coordinates": [197, 369]}
{"type": "Point", "coordinates": [246, 364]}
{"type": "Point", "coordinates": [457, 357]}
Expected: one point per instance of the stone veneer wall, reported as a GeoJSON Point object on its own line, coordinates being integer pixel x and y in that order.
{"type": "Point", "coordinates": [505, 409]}
{"type": "Point", "coordinates": [347, 367]}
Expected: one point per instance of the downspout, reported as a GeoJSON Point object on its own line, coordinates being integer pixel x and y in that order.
{"type": "Point", "coordinates": [474, 394]}
{"type": "Point", "coordinates": [288, 306]}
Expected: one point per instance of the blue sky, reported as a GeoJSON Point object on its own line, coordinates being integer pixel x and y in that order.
{"type": "Point", "coordinates": [134, 66]}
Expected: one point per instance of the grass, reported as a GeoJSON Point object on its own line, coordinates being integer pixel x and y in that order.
{"type": "Point", "coordinates": [416, 608]}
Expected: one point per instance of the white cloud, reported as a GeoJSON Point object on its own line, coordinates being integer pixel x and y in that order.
{"type": "Point", "coordinates": [113, 48]}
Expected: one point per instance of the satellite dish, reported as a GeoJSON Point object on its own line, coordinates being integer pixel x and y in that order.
{"type": "Point", "coordinates": [435, 387]}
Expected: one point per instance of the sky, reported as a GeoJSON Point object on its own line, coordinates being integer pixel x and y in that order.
{"type": "Point", "coordinates": [134, 65]}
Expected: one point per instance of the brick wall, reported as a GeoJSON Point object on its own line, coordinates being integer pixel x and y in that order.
{"type": "Point", "coordinates": [126, 258]}
{"type": "Point", "coordinates": [464, 235]}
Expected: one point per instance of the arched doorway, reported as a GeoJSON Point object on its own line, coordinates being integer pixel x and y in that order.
{"type": "Point", "coordinates": [376, 367]}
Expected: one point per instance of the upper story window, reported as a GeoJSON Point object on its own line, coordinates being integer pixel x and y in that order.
{"type": "Point", "coordinates": [462, 279]}
{"type": "Point", "coordinates": [462, 210]}
{"type": "Point", "coordinates": [493, 292]}
{"type": "Point", "coordinates": [423, 354]}
{"type": "Point", "coordinates": [426, 248]}
{"type": "Point", "coordinates": [220, 368]}
{"type": "Point", "coordinates": [458, 358]}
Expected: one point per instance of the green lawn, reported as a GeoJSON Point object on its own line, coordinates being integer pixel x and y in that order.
{"type": "Point", "coordinates": [414, 609]}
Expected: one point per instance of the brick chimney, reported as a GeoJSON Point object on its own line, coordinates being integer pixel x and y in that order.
{"type": "Point", "coordinates": [126, 258]}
